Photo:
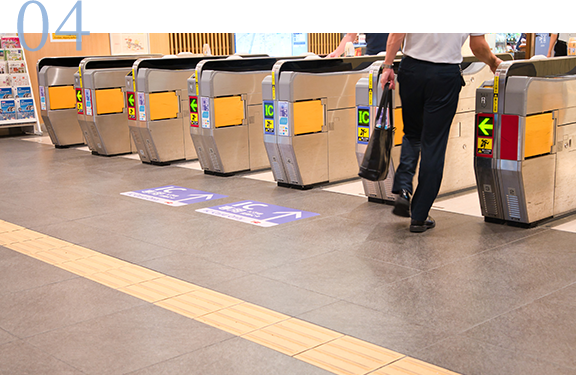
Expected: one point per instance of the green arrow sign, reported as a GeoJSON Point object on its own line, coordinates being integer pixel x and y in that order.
{"type": "Point", "coordinates": [131, 100]}
{"type": "Point", "coordinates": [485, 127]}
{"type": "Point", "coordinates": [79, 95]}
{"type": "Point", "coordinates": [194, 105]}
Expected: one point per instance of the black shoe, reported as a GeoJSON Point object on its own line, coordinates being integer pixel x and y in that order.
{"type": "Point", "coordinates": [402, 204]}
{"type": "Point", "coordinates": [422, 226]}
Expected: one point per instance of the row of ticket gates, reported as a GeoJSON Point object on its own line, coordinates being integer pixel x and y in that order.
{"type": "Point", "coordinates": [309, 120]}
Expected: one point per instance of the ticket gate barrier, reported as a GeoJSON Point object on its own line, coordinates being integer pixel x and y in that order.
{"type": "Point", "coordinates": [102, 105]}
{"type": "Point", "coordinates": [309, 134]}
{"type": "Point", "coordinates": [58, 99]}
{"type": "Point", "coordinates": [524, 156]}
{"type": "Point", "coordinates": [227, 114]}
{"type": "Point", "coordinates": [459, 167]}
{"type": "Point", "coordinates": [160, 125]}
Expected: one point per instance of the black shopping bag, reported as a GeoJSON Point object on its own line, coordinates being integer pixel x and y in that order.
{"type": "Point", "coordinates": [376, 160]}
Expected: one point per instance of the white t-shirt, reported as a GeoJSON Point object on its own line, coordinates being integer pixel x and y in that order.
{"type": "Point", "coordinates": [566, 36]}
{"type": "Point", "coordinates": [437, 48]}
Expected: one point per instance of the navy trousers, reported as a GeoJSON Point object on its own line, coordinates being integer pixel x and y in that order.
{"type": "Point", "coordinates": [429, 93]}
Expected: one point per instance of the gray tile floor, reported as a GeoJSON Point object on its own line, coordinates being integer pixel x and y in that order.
{"type": "Point", "coordinates": [468, 296]}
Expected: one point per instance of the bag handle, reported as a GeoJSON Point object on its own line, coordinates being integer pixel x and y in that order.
{"type": "Point", "coordinates": [385, 101]}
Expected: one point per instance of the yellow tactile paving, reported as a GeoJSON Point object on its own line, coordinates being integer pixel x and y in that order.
{"type": "Point", "coordinates": [9, 227]}
{"type": "Point", "coordinates": [63, 254]}
{"type": "Point", "coordinates": [199, 302]}
{"type": "Point", "coordinates": [243, 318]}
{"type": "Point", "coordinates": [133, 274]}
{"type": "Point", "coordinates": [38, 245]}
{"type": "Point", "coordinates": [29, 247]}
{"type": "Point", "coordinates": [113, 279]}
{"type": "Point", "coordinates": [330, 350]}
{"type": "Point", "coordinates": [91, 265]}
{"type": "Point", "coordinates": [158, 289]}
{"type": "Point", "coordinates": [411, 366]}
{"type": "Point", "coordinates": [349, 356]}
{"type": "Point", "coordinates": [16, 236]}
{"type": "Point", "coordinates": [292, 336]}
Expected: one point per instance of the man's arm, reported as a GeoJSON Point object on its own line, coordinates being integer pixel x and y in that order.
{"type": "Point", "coordinates": [481, 50]}
{"type": "Point", "coordinates": [350, 37]}
{"type": "Point", "coordinates": [392, 47]}
{"type": "Point", "coordinates": [553, 39]}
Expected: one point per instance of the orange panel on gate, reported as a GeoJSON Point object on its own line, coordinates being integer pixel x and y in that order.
{"type": "Point", "coordinates": [109, 101]}
{"type": "Point", "coordinates": [62, 97]}
{"type": "Point", "coordinates": [163, 105]}
{"type": "Point", "coordinates": [308, 117]}
{"type": "Point", "coordinates": [399, 125]}
{"type": "Point", "coordinates": [539, 134]}
{"type": "Point", "coordinates": [228, 111]}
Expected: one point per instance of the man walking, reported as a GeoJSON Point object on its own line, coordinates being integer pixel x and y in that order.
{"type": "Point", "coordinates": [430, 80]}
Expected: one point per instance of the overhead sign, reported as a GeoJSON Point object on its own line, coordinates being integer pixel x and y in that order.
{"type": "Point", "coordinates": [268, 117]}
{"type": "Point", "coordinates": [257, 213]}
{"type": "Point", "coordinates": [484, 135]}
{"type": "Point", "coordinates": [79, 104]}
{"type": "Point", "coordinates": [194, 111]}
{"type": "Point", "coordinates": [173, 195]}
{"type": "Point", "coordinates": [131, 100]}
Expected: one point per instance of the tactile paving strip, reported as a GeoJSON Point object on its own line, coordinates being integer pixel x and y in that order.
{"type": "Point", "coordinates": [322, 347]}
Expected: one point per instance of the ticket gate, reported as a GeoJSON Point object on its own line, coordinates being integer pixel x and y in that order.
{"type": "Point", "coordinates": [102, 105]}
{"type": "Point", "coordinates": [524, 156]}
{"type": "Point", "coordinates": [161, 120]}
{"type": "Point", "coordinates": [227, 114]}
{"type": "Point", "coordinates": [309, 134]}
{"type": "Point", "coordinates": [58, 99]}
{"type": "Point", "coordinates": [459, 166]}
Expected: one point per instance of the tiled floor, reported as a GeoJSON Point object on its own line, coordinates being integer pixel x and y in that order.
{"type": "Point", "coordinates": [467, 296]}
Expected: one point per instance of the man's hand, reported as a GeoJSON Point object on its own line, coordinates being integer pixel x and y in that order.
{"type": "Point", "coordinates": [387, 76]}
{"type": "Point", "coordinates": [392, 48]}
{"type": "Point", "coordinates": [482, 51]}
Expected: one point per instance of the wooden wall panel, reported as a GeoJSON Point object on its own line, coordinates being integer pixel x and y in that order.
{"type": "Point", "coordinates": [220, 43]}
{"type": "Point", "coordinates": [323, 43]}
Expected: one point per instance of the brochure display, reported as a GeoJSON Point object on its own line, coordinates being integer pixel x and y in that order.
{"type": "Point", "coordinates": [16, 99]}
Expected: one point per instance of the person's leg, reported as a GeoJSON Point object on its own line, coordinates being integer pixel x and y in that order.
{"type": "Point", "coordinates": [411, 90]}
{"type": "Point", "coordinates": [442, 93]}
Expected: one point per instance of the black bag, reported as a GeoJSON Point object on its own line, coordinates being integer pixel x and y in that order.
{"type": "Point", "coordinates": [376, 160]}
